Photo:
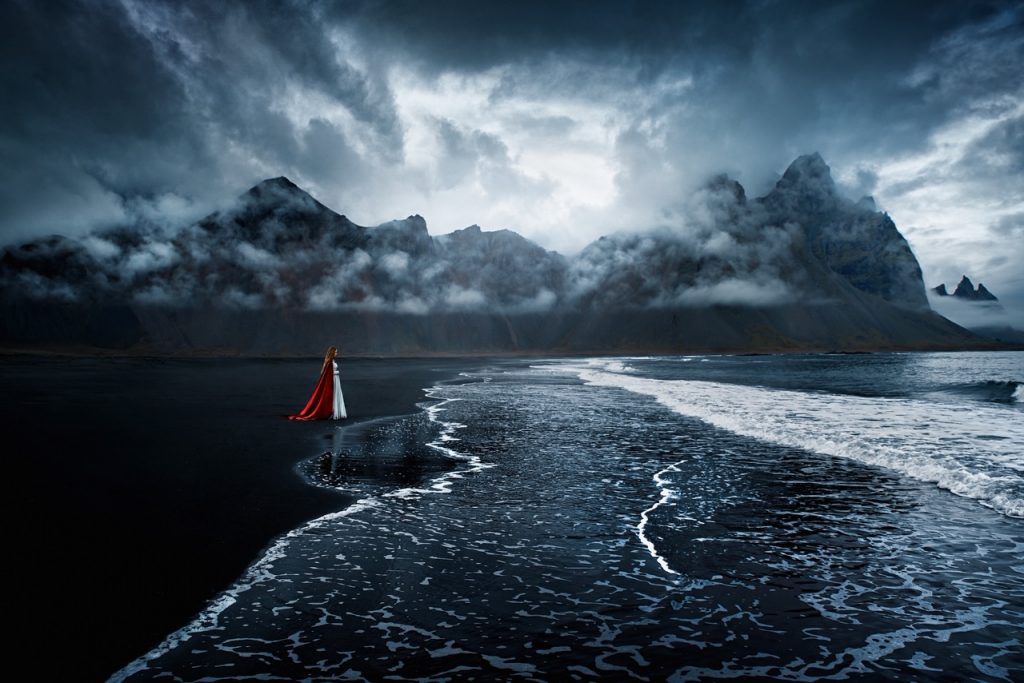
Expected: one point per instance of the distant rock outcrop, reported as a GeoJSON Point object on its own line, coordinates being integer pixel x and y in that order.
{"type": "Point", "coordinates": [978, 309]}
{"type": "Point", "coordinates": [278, 272]}
{"type": "Point", "coordinates": [965, 290]}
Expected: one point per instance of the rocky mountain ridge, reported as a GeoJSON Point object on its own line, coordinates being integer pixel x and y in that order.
{"type": "Point", "coordinates": [801, 267]}
{"type": "Point", "coordinates": [965, 290]}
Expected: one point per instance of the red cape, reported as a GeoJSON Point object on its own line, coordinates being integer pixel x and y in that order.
{"type": "Point", "coordinates": [321, 404]}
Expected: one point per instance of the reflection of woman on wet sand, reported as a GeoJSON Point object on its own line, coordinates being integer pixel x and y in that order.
{"type": "Point", "coordinates": [327, 401]}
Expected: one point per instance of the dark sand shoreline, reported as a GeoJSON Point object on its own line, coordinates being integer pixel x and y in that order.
{"type": "Point", "coordinates": [142, 488]}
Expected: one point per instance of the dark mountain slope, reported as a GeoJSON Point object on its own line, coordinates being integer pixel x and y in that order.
{"type": "Point", "coordinates": [280, 273]}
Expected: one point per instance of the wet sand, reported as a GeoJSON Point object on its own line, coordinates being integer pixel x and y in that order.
{"type": "Point", "coordinates": [590, 533]}
{"type": "Point", "coordinates": [139, 489]}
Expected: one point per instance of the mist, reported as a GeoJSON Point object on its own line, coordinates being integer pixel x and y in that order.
{"type": "Point", "coordinates": [974, 314]}
{"type": "Point", "coordinates": [558, 124]}
{"type": "Point", "coordinates": [277, 247]}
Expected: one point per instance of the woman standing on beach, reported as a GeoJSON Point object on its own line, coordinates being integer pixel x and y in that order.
{"type": "Point", "coordinates": [327, 401]}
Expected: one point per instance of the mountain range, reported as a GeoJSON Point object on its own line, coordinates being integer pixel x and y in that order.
{"type": "Point", "coordinates": [279, 273]}
{"type": "Point", "coordinates": [966, 290]}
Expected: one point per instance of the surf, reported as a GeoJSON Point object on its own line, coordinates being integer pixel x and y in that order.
{"type": "Point", "coordinates": [262, 570]}
{"type": "Point", "coordinates": [973, 452]}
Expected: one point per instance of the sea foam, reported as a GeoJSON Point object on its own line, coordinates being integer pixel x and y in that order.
{"type": "Point", "coordinates": [263, 569]}
{"type": "Point", "coordinates": [975, 452]}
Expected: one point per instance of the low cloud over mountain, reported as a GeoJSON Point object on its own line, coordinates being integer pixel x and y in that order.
{"type": "Point", "coordinates": [279, 247]}
{"type": "Point", "coordinates": [801, 246]}
{"type": "Point", "coordinates": [977, 309]}
{"type": "Point", "coordinates": [563, 121]}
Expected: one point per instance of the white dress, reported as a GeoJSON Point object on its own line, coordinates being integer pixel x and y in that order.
{"type": "Point", "coordinates": [339, 400]}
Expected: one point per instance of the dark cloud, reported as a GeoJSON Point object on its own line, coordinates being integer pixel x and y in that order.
{"type": "Point", "coordinates": [108, 101]}
{"type": "Point", "coordinates": [328, 156]}
{"type": "Point", "coordinates": [467, 35]}
{"type": "Point", "coordinates": [121, 111]}
{"type": "Point", "coordinates": [777, 67]}
{"type": "Point", "coordinates": [999, 152]}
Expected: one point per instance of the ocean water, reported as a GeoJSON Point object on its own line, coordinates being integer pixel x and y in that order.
{"type": "Point", "coordinates": [817, 517]}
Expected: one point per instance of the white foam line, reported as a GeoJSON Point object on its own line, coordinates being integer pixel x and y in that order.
{"type": "Point", "coordinates": [665, 495]}
{"type": "Point", "coordinates": [923, 441]}
{"type": "Point", "coordinates": [259, 572]}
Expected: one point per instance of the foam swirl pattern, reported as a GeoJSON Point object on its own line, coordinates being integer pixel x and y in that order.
{"type": "Point", "coordinates": [586, 532]}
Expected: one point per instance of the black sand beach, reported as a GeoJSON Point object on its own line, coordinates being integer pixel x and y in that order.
{"type": "Point", "coordinates": [540, 519]}
{"type": "Point", "coordinates": [140, 488]}
{"type": "Point", "coordinates": [577, 528]}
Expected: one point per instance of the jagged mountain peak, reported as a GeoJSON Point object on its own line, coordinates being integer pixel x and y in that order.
{"type": "Point", "coordinates": [806, 189]}
{"type": "Point", "coordinates": [407, 234]}
{"type": "Point", "coordinates": [475, 233]}
{"type": "Point", "coordinates": [280, 194]}
{"type": "Point", "coordinates": [277, 251]}
{"type": "Point", "coordinates": [279, 181]}
{"type": "Point", "coordinates": [278, 247]}
{"type": "Point", "coordinates": [808, 173]}
{"type": "Point", "coordinates": [812, 162]}
{"type": "Point", "coordinates": [965, 288]}
{"type": "Point", "coordinates": [867, 203]}
{"type": "Point", "coordinates": [854, 240]}
{"type": "Point", "coordinates": [276, 214]}
{"type": "Point", "coordinates": [415, 223]}
{"type": "Point", "coordinates": [983, 293]}
{"type": "Point", "coordinates": [281, 186]}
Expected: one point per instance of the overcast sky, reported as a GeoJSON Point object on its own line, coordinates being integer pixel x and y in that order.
{"type": "Point", "coordinates": [562, 121]}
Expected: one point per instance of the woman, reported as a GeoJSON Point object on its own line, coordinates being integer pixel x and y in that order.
{"type": "Point", "coordinates": [327, 401]}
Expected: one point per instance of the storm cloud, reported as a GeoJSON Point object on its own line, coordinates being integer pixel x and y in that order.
{"type": "Point", "coordinates": [562, 121]}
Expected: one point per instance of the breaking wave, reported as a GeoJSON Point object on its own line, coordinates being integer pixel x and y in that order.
{"type": "Point", "coordinates": [992, 391]}
{"type": "Point", "coordinates": [975, 453]}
